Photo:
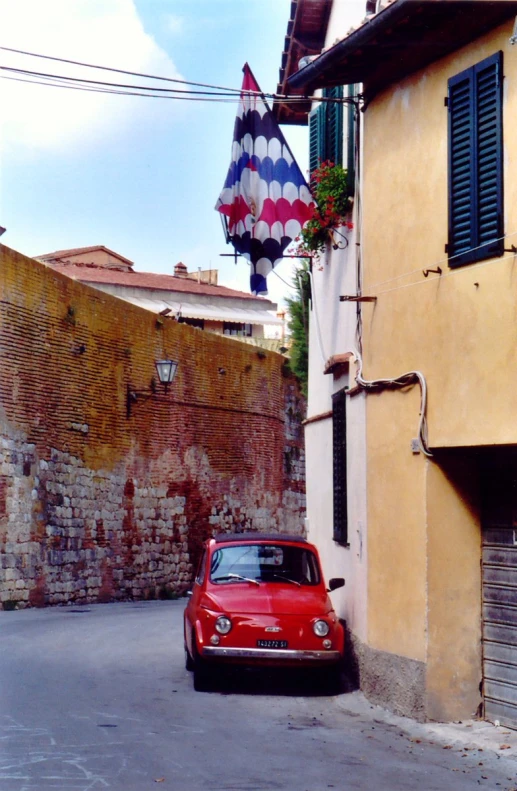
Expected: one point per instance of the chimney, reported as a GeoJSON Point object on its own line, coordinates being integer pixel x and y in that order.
{"type": "Point", "coordinates": [180, 270]}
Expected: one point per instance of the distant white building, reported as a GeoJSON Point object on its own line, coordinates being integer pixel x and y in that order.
{"type": "Point", "coordinates": [193, 298]}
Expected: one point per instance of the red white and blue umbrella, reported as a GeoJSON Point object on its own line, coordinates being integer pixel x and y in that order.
{"type": "Point", "coordinates": [265, 199]}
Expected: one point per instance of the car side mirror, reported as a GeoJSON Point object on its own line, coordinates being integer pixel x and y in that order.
{"type": "Point", "coordinates": [336, 582]}
{"type": "Point", "coordinates": [188, 594]}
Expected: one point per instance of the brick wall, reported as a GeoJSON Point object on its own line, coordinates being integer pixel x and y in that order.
{"type": "Point", "coordinates": [97, 506]}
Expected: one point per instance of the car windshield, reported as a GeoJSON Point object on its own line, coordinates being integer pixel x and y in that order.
{"type": "Point", "coordinates": [264, 563]}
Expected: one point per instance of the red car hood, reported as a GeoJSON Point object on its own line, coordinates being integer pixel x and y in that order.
{"type": "Point", "coordinates": [249, 599]}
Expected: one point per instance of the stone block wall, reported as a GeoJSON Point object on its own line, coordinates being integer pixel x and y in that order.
{"type": "Point", "coordinates": [96, 505]}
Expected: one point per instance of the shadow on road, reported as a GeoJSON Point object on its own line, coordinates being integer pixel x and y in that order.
{"type": "Point", "coordinates": [273, 681]}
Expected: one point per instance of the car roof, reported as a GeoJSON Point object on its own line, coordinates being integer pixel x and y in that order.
{"type": "Point", "coordinates": [246, 538]}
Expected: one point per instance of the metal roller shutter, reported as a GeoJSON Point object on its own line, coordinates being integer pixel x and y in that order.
{"type": "Point", "coordinates": [499, 581]}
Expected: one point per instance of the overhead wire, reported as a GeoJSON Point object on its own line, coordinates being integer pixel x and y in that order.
{"type": "Point", "coordinates": [60, 77]}
{"type": "Point", "coordinates": [79, 87]}
{"type": "Point", "coordinates": [289, 285]}
{"type": "Point", "coordinates": [214, 90]}
{"type": "Point", "coordinates": [462, 270]}
{"type": "Point", "coordinates": [115, 70]}
{"type": "Point", "coordinates": [97, 86]}
{"type": "Point", "coordinates": [440, 261]}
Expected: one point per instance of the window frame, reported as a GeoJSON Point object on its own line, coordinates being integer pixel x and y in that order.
{"type": "Point", "coordinates": [200, 576]}
{"type": "Point", "coordinates": [466, 143]}
{"type": "Point", "coordinates": [238, 329]}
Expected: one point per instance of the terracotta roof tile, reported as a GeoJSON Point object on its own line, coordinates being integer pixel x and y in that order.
{"type": "Point", "coordinates": [91, 273]}
{"type": "Point", "coordinates": [79, 251]}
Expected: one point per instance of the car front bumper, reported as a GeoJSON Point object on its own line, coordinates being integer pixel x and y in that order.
{"type": "Point", "coordinates": [279, 655]}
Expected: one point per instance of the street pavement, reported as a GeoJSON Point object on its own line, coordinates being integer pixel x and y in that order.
{"type": "Point", "coordinates": [97, 698]}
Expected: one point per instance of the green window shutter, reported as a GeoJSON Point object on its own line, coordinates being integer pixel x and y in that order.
{"type": "Point", "coordinates": [461, 123]}
{"type": "Point", "coordinates": [489, 150]}
{"type": "Point", "coordinates": [340, 499]}
{"type": "Point", "coordinates": [476, 163]}
{"type": "Point", "coordinates": [313, 140]}
{"type": "Point", "coordinates": [317, 137]}
{"type": "Point", "coordinates": [334, 131]}
{"type": "Point", "coordinates": [326, 130]}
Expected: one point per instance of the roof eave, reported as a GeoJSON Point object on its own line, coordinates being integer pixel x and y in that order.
{"type": "Point", "coordinates": [302, 39]}
{"type": "Point", "coordinates": [313, 75]}
{"type": "Point", "coordinates": [367, 54]}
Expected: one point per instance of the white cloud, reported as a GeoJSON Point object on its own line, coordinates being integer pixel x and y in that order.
{"type": "Point", "coordinates": [175, 24]}
{"type": "Point", "coordinates": [104, 32]}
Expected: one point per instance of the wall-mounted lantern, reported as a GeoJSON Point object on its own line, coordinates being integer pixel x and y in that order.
{"type": "Point", "coordinates": [166, 370]}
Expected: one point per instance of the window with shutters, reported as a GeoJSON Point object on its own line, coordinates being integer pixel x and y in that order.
{"type": "Point", "coordinates": [326, 130]}
{"type": "Point", "coordinates": [340, 533]}
{"type": "Point", "coordinates": [476, 163]}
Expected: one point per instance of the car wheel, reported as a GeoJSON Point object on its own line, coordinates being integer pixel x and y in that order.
{"type": "Point", "coordinates": [202, 673]}
{"type": "Point", "coordinates": [189, 662]}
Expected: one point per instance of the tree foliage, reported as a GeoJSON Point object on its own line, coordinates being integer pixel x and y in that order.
{"type": "Point", "coordinates": [299, 307]}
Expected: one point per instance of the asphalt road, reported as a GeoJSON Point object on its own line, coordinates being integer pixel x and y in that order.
{"type": "Point", "coordinates": [97, 698]}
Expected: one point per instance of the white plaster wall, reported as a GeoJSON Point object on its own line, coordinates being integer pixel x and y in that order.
{"type": "Point", "coordinates": [344, 15]}
{"type": "Point", "coordinates": [335, 276]}
{"type": "Point", "coordinates": [332, 332]}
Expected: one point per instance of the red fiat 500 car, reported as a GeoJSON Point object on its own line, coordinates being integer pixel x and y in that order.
{"type": "Point", "coordinates": [261, 600]}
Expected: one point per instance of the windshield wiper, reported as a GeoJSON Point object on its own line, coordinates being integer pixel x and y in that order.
{"type": "Point", "coordinates": [235, 577]}
{"type": "Point", "coordinates": [282, 577]}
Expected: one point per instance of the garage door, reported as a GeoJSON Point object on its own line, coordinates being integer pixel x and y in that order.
{"type": "Point", "coordinates": [499, 567]}
{"type": "Point", "coordinates": [500, 623]}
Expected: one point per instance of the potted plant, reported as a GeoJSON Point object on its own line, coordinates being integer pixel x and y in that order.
{"type": "Point", "coordinates": [333, 203]}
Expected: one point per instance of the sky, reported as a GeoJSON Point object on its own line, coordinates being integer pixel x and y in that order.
{"type": "Point", "coordinates": [138, 175]}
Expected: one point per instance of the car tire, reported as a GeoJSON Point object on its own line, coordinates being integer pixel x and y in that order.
{"type": "Point", "coordinates": [202, 673]}
{"type": "Point", "coordinates": [189, 662]}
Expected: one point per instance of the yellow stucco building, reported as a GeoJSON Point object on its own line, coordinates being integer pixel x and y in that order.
{"type": "Point", "coordinates": [437, 233]}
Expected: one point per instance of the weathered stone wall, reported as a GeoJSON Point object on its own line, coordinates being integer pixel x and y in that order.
{"type": "Point", "coordinates": [96, 505]}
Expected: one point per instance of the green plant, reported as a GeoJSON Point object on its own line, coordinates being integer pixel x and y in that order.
{"type": "Point", "coordinates": [330, 190]}
{"type": "Point", "coordinates": [299, 325]}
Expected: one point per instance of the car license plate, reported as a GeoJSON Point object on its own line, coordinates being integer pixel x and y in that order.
{"type": "Point", "coordinates": [272, 643]}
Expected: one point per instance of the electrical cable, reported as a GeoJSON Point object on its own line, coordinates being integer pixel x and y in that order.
{"type": "Point", "coordinates": [115, 70]}
{"type": "Point", "coordinates": [46, 75]}
{"type": "Point", "coordinates": [220, 90]}
{"type": "Point", "coordinates": [289, 285]}
{"type": "Point", "coordinates": [104, 87]}
{"type": "Point", "coordinates": [81, 80]}
{"type": "Point", "coordinates": [71, 87]}
{"type": "Point", "coordinates": [316, 318]}
{"type": "Point", "coordinates": [359, 225]}
{"type": "Point", "coordinates": [438, 263]}
{"type": "Point", "coordinates": [405, 380]}
{"type": "Point", "coordinates": [463, 270]}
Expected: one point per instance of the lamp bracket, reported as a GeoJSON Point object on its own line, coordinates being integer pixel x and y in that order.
{"type": "Point", "coordinates": [132, 396]}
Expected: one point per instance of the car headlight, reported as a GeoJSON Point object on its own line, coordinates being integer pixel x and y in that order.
{"type": "Point", "coordinates": [321, 628]}
{"type": "Point", "coordinates": [223, 625]}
